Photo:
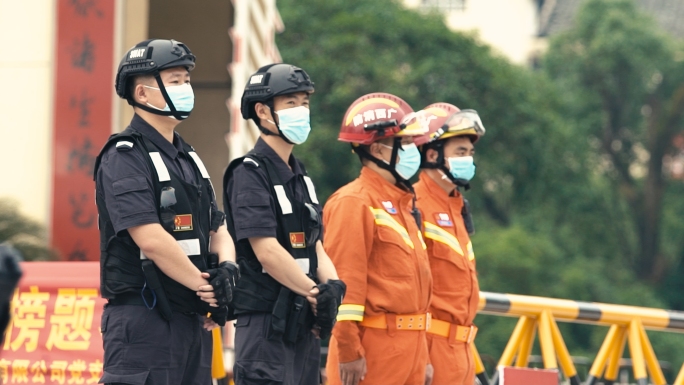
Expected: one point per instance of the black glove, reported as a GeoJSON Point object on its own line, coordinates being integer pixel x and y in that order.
{"type": "Point", "coordinates": [219, 315]}
{"type": "Point", "coordinates": [328, 301]}
{"type": "Point", "coordinates": [223, 279]}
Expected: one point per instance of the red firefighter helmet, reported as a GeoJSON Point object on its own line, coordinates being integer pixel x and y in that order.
{"type": "Point", "coordinates": [379, 115]}
{"type": "Point", "coordinates": [445, 120]}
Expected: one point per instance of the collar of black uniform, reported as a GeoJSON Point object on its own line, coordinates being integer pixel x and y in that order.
{"type": "Point", "coordinates": [262, 148]}
{"type": "Point", "coordinates": [170, 149]}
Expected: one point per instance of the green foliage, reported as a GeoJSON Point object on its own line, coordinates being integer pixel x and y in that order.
{"type": "Point", "coordinates": [624, 91]}
{"type": "Point", "coordinates": [24, 234]}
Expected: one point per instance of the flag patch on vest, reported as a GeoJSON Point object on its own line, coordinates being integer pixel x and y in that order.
{"type": "Point", "coordinates": [389, 207]}
{"type": "Point", "coordinates": [444, 220]}
{"type": "Point", "coordinates": [182, 222]}
{"type": "Point", "coordinates": [297, 240]}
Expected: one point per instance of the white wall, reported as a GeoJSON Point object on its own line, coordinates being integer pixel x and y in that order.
{"type": "Point", "coordinates": [510, 26]}
{"type": "Point", "coordinates": [26, 37]}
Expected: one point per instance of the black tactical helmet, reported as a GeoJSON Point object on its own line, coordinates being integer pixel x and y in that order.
{"type": "Point", "coordinates": [148, 58]}
{"type": "Point", "coordinates": [270, 81]}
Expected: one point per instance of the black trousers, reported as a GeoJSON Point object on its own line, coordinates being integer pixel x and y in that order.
{"type": "Point", "coordinates": [263, 361]}
{"type": "Point", "coordinates": [142, 348]}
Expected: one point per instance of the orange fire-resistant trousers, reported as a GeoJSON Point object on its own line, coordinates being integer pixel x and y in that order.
{"type": "Point", "coordinates": [398, 359]}
{"type": "Point", "coordinates": [454, 363]}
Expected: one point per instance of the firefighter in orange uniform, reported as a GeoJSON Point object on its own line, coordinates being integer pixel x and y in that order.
{"type": "Point", "coordinates": [447, 165]}
{"type": "Point", "coordinates": [373, 237]}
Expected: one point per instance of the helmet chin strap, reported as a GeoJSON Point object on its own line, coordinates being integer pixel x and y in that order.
{"type": "Point", "coordinates": [391, 167]}
{"type": "Point", "coordinates": [266, 131]}
{"type": "Point", "coordinates": [173, 113]}
{"type": "Point", "coordinates": [458, 182]}
{"type": "Point", "coordinates": [396, 144]}
{"type": "Point", "coordinates": [439, 166]}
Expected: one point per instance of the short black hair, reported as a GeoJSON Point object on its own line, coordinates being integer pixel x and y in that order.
{"type": "Point", "coordinates": [268, 103]}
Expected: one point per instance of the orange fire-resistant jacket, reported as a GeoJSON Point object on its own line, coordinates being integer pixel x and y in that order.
{"type": "Point", "coordinates": [455, 290]}
{"type": "Point", "coordinates": [378, 252]}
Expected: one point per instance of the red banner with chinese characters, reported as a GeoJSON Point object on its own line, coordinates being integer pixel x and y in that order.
{"type": "Point", "coordinates": [84, 80]}
{"type": "Point", "coordinates": [54, 336]}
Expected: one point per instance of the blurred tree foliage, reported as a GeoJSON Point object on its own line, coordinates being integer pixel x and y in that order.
{"type": "Point", "coordinates": [623, 88]}
{"type": "Point", "coordinates": [24, 234]}
{"type": "Point", "coordinates": [556, 213]}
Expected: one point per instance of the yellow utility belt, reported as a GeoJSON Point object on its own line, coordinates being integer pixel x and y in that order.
{"type": "Point", "coordinates": [402, 321]}
{"type": "Point", "coordinates": [452, 332]}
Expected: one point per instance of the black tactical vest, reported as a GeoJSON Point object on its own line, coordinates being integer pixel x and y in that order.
{"type": "Point", "coordinates": [187, 220]}
{"type": "Point", "coordinates": [256, 290]}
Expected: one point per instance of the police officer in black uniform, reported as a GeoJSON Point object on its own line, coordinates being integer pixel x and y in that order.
{"type": "Point", "coordinates": [289, 291]}
{"type": "Point", "coordinates": [166, 257]}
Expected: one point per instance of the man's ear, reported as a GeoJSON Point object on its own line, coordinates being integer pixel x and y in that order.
{"type": "Point", "coordinates": [375, 149]}
{"type": "Point", "coordinates": [431, 155]}
{"type": "Point", "coordinates": [140, 93]}
{"type": "Point", "coordinates": [263, 112]}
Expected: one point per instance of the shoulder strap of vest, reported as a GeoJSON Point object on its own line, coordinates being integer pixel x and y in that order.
{"type": "Point", "coordinates": [277, 185]}
{"type": "Point", "coordinates": [278, 190]}
{"type": "Point", "coordinates": [309, 183]}
{"type": "Point", "coordinates": [125, 138]}
{"type": "Point", "coordinates": [158, 165]}
{"type": "Point", "coordinates": [198, 162]}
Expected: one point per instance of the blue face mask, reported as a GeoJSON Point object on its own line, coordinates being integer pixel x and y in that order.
{"type": "Point", "coordinates": [182, 97]}
{"type": "Point", "coordinates": [294, 123]}
{"type": "Point", "coordinates": [409, 161]}
{"type": "Point", "coordinates": [462, 167]}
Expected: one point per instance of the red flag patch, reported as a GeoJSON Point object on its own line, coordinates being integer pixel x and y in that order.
{"type": "Point", "coordinates": [183, 222]}
{"type": "Point", "coordinates": [297, 240]}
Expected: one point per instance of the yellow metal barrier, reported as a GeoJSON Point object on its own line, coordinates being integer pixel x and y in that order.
{"type": "Point", "coordinates": [539, 314]}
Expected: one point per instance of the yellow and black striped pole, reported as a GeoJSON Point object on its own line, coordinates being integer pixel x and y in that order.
{"type": "Point", "coordinates": [480, 372]}
{"type": "Point", "coordinates": [583, 312]}
{"type": "Point", "coordinates": [628, 324]}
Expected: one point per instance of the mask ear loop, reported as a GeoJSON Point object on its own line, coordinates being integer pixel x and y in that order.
{"type": "Point", "coordinates": [167, 99]}
{"type": "Point", "coordinates": [441, 167]}
{"type": "Point", "coordinates": [265, 131]}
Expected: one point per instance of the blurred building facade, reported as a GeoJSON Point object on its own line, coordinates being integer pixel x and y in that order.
{"type": "Point", "coordinates": [520, 29]}
{"type": "Point", "coordinates": [59, 105]}
{"type": "Point", "coordinates": [510, 26]}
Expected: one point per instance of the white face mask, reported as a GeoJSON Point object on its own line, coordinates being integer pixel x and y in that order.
{"type": "Point", "coordinates": [409, 160]}
{"type": "Point", "coordinates": [294, 123]}
{"type": "Point", "coordinates": [462, 167]}
{"type": "Point", "coordinates": [182, 97]}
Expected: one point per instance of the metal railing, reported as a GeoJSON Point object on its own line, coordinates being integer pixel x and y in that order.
{"type": "Point", "coordinates": [538, 315]}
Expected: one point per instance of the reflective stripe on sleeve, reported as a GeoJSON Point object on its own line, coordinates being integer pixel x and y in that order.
{"type": "Point", "coordinates": [350, 312]}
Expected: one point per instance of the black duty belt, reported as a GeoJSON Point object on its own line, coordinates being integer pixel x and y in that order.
{"type": "Point", "coordinates": [136, 299]}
